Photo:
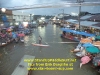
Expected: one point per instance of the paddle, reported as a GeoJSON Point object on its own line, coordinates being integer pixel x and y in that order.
{"type": "Point", "coordinates": [45, 42]}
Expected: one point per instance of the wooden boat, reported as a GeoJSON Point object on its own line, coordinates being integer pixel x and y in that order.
{"type": "Point", "coordinates": [3, 44]}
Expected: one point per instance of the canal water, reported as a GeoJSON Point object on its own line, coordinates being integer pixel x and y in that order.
{"type": "Point", "coordinates": [11, 54]}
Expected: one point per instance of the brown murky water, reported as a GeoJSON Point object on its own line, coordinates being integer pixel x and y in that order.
{"type": "Point", "coordinates": [11, 54]}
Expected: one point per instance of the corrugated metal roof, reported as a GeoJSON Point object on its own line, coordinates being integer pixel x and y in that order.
{"type": "Point", "coordinates": [87, 23]}
{"type": "Point", "coordinates": [94, 18]}
{"type": "Point", "coordinates": [97, 26]}
{"type": "Point", "coordinates": [83, 23]}
{"type": "Point", "coordinates": [85, 17]}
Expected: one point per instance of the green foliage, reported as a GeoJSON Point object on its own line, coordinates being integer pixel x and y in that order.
{"type": "Point", "coordinates": [83, 13]}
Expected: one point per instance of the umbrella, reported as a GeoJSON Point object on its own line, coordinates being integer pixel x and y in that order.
{"type": "Point", "coordinates": [98, 37]}
{"type": "Point", "coordinates": [96, 61]}
{"type": "Point", "coordinates": [92, 49]}
{"type": "Point", "coordinates": [84, 60]}
{"type": "Point", "coordinates": [86, 40]}
{"type": "Point", "coordinates": [87, 44]}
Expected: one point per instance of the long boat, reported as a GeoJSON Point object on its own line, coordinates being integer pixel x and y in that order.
{"type": "Point", "coordinates": [74, 35]}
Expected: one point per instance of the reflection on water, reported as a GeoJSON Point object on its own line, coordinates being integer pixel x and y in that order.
{"type": "Point", "coordinates": [40, 49]}
{"type": "Point", "coordinates": [26, 38]}
{"type": "Point", "coordinates": [34, 38]}
{"type": "Point", "coordinates": [54, 29]}
{"type": "Point", "coordinates": [41, 31]}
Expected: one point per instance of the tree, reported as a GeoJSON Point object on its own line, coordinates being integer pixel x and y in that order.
{"type": "Point", "coordinates": [83, 13]}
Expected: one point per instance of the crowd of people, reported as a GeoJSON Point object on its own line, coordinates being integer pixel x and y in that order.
{"type": "Point", "coordinates": [9, 36]}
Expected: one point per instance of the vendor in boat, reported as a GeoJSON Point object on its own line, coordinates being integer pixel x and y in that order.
{"type": "Point", "coordinates": [78, 48]}
{"type": "Point", "coordinates": [71, 36]}
{"type": "Point", "coordinates": [3, 37]}
{"type": "Point", "coordinates": [21, 35]}
{"type": "Point", "coordinates": [63, 34]}
{"type": "Point", "coordinates": [15, 36]}
{"type": "Point", "coordinates": [10, 36]}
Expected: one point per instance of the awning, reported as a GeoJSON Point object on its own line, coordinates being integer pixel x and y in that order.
{"type": "Point", "coordinates": [87, 45]}
{"type": "Point", "coordinates": [71, 31]}
{"type": "Point", "coordinates": [87, 34]}
{"type": "Point", "coordinates": [77, 32]}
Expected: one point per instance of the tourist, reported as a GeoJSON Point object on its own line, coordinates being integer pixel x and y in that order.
{"type": "Point", "coordinates": [40, 39]}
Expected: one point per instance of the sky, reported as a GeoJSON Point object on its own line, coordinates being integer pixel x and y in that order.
{"type": "Point", "coordinates": [49, 11]}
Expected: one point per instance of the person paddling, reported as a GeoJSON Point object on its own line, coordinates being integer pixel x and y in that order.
{"type": "Point", "coordinates": [40, 39]}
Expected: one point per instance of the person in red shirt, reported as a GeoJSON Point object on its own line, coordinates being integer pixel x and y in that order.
{"type": "Point", "coordinates": [21, 36]}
